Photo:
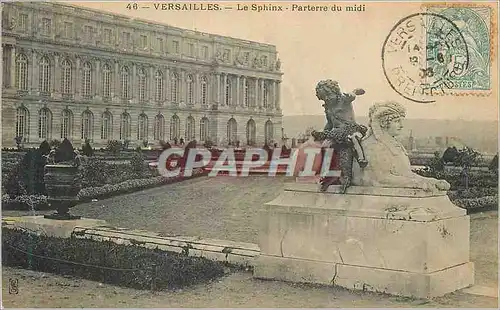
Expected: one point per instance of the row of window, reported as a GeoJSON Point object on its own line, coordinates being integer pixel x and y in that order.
{"type": "Point", "coordinates": [45, 75]}
{"type": "Point", "coordinates": [87, 126]}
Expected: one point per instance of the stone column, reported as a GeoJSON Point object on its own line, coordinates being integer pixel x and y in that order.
{"type": "Point", "coordinates": [166, 86]}
{"type": "Point", "coordinates": [133, 84]}
{"type": "Point", "coordinates": [97, 81]}
{"type": "Point", "coordinates": [117, 80]}
{"type": "Point", "coordinates": [197, 89]}
{"type": "Point", "coordinates": [78, 76]}
{"type": "Point", "coordinates": [263, 94]}
{"type": "Point", "coordinates": [256, 93]}
{"type": "Point", "coordinates": [244, 81]}
{"type": "Point", "coordinates": [217, 85]}
{"type": "Point", "coordinates": [57, 75]}
{"type": "Point", "coordinates": [34, 73]}
{"type": "Point", "coordinates": [182, 88]}
{"type": "Point", "coordinates": [13, 72]}
{"type": "Point", "coordinates": [274, 94]}
{"type": "Point", "coordinates": [237, 90]}
{"type": "Point", "coordinates": [278, 95]}
{"type": "Point", "coordinates": [224, 89]}
{"type": "Point", "coordinates": [152, 83]}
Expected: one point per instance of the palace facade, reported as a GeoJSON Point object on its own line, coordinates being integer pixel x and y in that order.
{"type": "Point", "coordinates": [76, 73]}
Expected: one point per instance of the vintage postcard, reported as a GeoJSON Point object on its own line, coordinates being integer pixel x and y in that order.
{"type": "Point", "coordinates": [249, 154]}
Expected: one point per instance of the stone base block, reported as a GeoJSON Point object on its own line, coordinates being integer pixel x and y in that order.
{"type": "Point", "coordinates": [53, 228]}
{"type": "Point", "coordinates": [395, 282]}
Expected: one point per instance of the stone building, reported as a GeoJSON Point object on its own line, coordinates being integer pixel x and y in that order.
{"type": "Point", "coordinates": [85, 74]}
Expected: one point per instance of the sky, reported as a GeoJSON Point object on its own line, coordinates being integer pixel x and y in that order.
{"type": "Point", "coordinates": [312, 46]}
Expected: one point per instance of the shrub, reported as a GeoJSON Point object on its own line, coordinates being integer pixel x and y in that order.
{"type": "Point", "coordinates": [114, 146]}
{"type": "Point", "coordinates": [487, 202]}
{"type": "Point", "coordinates": [65, 152]}
{"type": "Point", "coordinates": [27, 176]}
{"type": "Point", "coordinates": [44, 148]}
{"type": "Point", "coordinates": [87, 150]}
{"type": "Point", "coordinates": [94, 173]}
{"type": "Point", "coordinates": [72, 256]}
{"type": "Point", "coordinates": [19, 142]}
{"type": "Point", "coordinates": [54, 144]}
{"type": "Point", "coordinates": [138, 164]}
{"type": "Point", "coordinates": [493, 166]}
{"type": "Point", "coordinates": [126, 144]}
{"type": "Point", "coordinates": [450, 155]}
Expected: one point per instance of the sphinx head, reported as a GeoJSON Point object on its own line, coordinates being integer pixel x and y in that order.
{"type": "Point", "coordinates": [328, 90]}
{"type": "Point", "coordinates": [387, 117]}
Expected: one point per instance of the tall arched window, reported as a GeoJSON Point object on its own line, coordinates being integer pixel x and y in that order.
{"type": "Point", "coordinates": [142, 85]}
{"type": "Point", "coordinates": [107, 126]}
{"type": "Point", "coordinates": [125, 83]}
{"type": "Point", "coordinates": [251, 132]}
{"type": "Point", "coordinates": [175, 127]}
{"type": "Point", "coordinates": [106, 81]}
{"type": "Point", "coordinates": [159, 129]}
{"type": "Point", "coordinates": [87, 125]}
{"type": "Point", "coordinates": [44, 75]}
{"type": "Point", "coordinates": [87, 80]}
{"type": "Point", "coordinates": [190, 129]}
{"type": "Point", "coordinates": [269, 131]}
{"type": "Point", "coordinates": [232, 131]}
{"type": "Point", "coordinates": [246, 93]}
{"type": "Point", "coordinates": [174, 87]}
{"type": "Point", "coordinates": [66, 77]}
{"type": "Point", "coordinates": [266, 95]}
{"type": "Point", "coordinates": [190, 90]}
{"type": "Point", "coordinates": [125, 126]}
{"type": "Point", "coordinates": [204, 127]}
{"type": "Point", "coordinates": [45, 124]}
{"type": "Point", "coordinates": [227, 100]}
{"type": "Point", "coordinates": [22, 72]}
{"type": "Point", "coordinates": [66, 124]}
{"type": "Point", "coordinates": [142, 132]}
{"type": "Point", "coordinates": [22, 123]}
{"type": "Point", "coordinates": [158, 86]}
{"type": "Point", "coordinates": [204, 91]}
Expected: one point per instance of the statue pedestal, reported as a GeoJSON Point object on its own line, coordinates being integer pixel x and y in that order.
{"type": "Point", "coordinates": [399, 241]}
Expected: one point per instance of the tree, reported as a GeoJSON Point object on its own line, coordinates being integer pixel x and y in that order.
{"type": "Point", "coordinates": [467, 158]}
{"type": "Point", "coordinates": [436, 164]}
{"type": "Point", "coordinates": [450, 155]}
{"type": "Point", "coordinates": [65, 151]}
{"type": "Point", "coordinates": [493, 166]}
{"type": "Point", "coordinates": [87, 150]}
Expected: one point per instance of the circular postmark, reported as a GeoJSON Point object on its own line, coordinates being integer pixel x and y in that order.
{"type": "Point", "coordinates": [422, 56]}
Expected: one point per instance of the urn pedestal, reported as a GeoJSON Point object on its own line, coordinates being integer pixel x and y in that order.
{"type": "Point", "coordinates": [399, 241]}
{"type": "Point", "coordinates": [63, 184]}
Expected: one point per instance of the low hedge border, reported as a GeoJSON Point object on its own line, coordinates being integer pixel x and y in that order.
{"type": "Point", "coordinates": [102, 192]}
{"type": "Point", "coordinates": [107, 262]}
{"type": "Point", "coordinates": [478, 204]}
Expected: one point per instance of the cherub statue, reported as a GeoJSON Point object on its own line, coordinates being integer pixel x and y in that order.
{"type": "Point", "coordinates": [341, 131]}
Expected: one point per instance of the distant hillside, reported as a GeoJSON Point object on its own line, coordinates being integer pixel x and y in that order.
{"type": "Point", "coordinates": [481, 135]}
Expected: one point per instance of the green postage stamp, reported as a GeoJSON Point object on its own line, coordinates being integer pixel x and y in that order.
{"type": "Point", "coordinates": [473, 25]}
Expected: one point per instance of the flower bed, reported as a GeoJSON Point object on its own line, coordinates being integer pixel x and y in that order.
{"type": "Point", "coordinates": [107, 262]}
{"type": "Point", "coordinates": [27, 202]}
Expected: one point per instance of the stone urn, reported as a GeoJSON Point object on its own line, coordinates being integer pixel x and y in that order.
{"type": "Point", "coordinates": [63, 183]}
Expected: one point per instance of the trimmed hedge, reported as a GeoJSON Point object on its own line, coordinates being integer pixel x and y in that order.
{"type": "Point", "coordinates": [480, 203]}
{"type": "Point", "coordinates": [79, 257]}
{"type": "Point", "coordinates": [100, 192]}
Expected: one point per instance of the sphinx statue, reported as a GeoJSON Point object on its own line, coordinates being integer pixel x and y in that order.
{"type": "Point", "coordinates": [388, 162]}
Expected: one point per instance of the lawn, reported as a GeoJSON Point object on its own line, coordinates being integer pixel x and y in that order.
{"type": "Point", "coordinates": [226, 208]}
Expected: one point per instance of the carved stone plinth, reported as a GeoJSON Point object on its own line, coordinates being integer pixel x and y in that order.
{"type": "Point", "coordinates": [399, 241]}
